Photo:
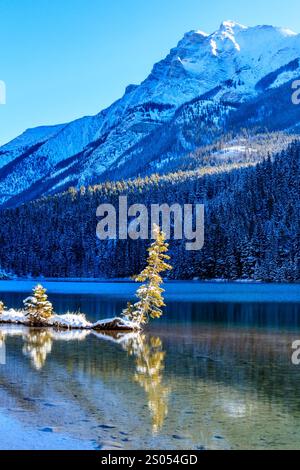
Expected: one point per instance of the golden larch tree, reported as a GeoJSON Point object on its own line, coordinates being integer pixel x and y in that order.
{"type": "Point", "coordinates": [150, 292]}
{"type": "Point", "coordinates": [38, 308]}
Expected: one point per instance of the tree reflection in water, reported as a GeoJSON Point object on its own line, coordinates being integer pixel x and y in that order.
{"type": "Point", "coordinates": [37, 342]}
{"type": "Point", "coordinates": [150, 359]}
{"type": "Point", "coordinates": [37, 345]}
{"type": "Point", "coordinates": [2, 339]}
{"type": "Point", "coordinates": [147, 352]}
{"type": "Point", "coordinates": [2, 349]}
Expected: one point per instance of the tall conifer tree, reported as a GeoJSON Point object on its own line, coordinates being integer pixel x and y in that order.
{"type": "Point", "coordinates": [150, 293]}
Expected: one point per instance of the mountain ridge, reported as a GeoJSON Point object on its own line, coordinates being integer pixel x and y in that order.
{"type": "Point", "coordinates": [203, 80]}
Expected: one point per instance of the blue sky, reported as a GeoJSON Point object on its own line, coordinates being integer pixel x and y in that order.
{"type": "Point", "coordinates": [62, 59]}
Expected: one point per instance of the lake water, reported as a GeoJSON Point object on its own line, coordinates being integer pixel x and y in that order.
{"type": "Point", "coordinates": [214, 373]}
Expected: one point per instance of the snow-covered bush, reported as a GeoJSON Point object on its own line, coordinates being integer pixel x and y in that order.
{"type": "Point", "coordinates": [38, 308]}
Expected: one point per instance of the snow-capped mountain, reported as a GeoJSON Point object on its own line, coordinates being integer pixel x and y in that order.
{"type": "Point", "coordinates": [208, 84]}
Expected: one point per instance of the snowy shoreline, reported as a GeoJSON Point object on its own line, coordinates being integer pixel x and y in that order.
{"type": "Point", "coordinates": [69, 321]}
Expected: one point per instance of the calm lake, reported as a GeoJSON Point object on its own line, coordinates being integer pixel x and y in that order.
{"type": "Point", "coordinates": [214, 373]}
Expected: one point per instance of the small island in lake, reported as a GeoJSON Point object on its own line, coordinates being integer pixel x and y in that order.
{"type": "Point", "coordinates": [38, 310]}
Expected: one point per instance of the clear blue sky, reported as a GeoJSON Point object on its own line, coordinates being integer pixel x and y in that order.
{"type": "Point", "coordinates": [62, 59]}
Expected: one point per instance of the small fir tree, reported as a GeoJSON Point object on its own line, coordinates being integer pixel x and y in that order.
{"type": "Point", "coordinates": [38, 308]}
{"type": "Point", "coordinates": [150, 293]}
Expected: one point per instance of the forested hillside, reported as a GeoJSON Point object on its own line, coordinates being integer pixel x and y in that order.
{"type": "Point", "coordinates": [252, 225]}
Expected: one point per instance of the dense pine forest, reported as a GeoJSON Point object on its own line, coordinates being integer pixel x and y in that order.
{"type": "Point", "coordinates": [252, 225]}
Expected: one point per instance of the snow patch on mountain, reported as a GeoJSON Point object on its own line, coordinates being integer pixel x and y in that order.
{"type": "Point", "coordinates": [285, 77]}
{"type": "Point", "coordinates": [29, 138]}
{"type": "Point", "coordinates": [224, 66]}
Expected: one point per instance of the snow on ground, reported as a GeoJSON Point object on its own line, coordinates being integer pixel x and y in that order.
{"type": "Point", "coordinates": [120, 323]}
{"type": "Point", "coordinates": [71, 321]}
{"type": "Point", "coordinates": [13, 316]}
{"type": "Point", "coordinates": [18, 436]}
{"type": "Point", "coordinates": [285, 77]}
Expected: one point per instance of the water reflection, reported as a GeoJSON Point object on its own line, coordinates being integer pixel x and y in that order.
{"type": "Point", "coordinates": [37, 342]}
{"type": "Point", "coordinates": [150, 364]}
{"type": "Point", "coordinates": [147, 351]}
{"type": "Point", "coordinates": [183, 386]}
{"type": "Point", "coordinates": [2, 349]}
{"type": "Point", "coordinates": [37, 345]}
{"type": "Point", "coordinates": [2, 339]}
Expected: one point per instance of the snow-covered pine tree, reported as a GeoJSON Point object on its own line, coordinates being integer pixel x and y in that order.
{"type": "Point", "coordinates": [38, 308]}
{"type": "Point", "coordinates": [150, 293]}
